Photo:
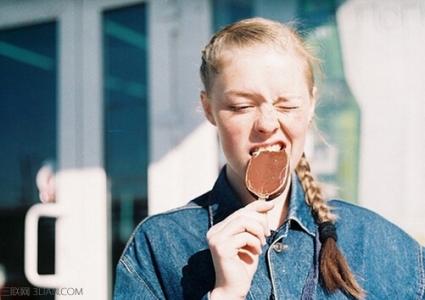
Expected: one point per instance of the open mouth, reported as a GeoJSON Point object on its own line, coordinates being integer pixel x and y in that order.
{"type": "Point", "coordinates": [276, 147]}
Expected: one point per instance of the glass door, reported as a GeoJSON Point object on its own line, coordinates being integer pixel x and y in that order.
{"type": "Point", "coordinates": [73, 92]}
{"type": "Point", "coordinates": [125, 94]}
{"type": "Point", "coordinates": [116, 43]}
{"type": "Point", "coordinates": [28, 110]}
{"type": "Point", "coordinates": [58, 249]}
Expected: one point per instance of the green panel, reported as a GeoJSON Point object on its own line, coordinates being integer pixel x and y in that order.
{"type": "Point", "coordinates": [125, 63]}
{"type": "Point", "coordinates": [28, 104]}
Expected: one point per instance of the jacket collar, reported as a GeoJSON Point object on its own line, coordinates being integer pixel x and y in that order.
{"type": "Point", "coordinates": [224, 201]}
{"type": "Point", "coordinates": [299, 211]}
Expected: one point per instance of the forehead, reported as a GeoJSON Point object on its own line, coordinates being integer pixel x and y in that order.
{"type": "Point", "coordinates": [261, 66]}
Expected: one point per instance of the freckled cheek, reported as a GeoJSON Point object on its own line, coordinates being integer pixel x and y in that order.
{"type": "Point", "coordinates": [231, 135]}
{"type": "Point", "coordinates": [233, 138]}
{"type": "Point", "coordinates": [296, 130]}
{"type": "Point", "coordinates": [295, 127]}
{"type": "Point", "coordinates": [228, 133]}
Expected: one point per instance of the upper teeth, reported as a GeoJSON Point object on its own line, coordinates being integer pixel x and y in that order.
{"type": "Point", "coordinates": [274, 148]}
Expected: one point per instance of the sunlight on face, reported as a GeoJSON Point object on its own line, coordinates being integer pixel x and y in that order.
{"type": "Point", "coordinates": [260, 97]}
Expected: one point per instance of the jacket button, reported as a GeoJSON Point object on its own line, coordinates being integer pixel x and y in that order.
{"type": "Point", "coordinates": [279, 247]}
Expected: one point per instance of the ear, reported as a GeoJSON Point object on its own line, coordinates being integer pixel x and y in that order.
{"type": "Point", "coordinates": [206, 105]}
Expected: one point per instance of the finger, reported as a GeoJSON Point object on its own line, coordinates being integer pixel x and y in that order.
{"type": "Point", "coordinates": [260, 206]}
{"type": "Point", "coordinates": [246, 255]}
{"type": "Point", "coordinates": [239, 224]}
{"type": "Point", "coordinates": [243, 223]}
{"type": "Point", "coordinates": [248, 242]}
{"type": "Point", "coordinates": [250, 216]}
{"type": "Point", "coordinates": [261, 218]}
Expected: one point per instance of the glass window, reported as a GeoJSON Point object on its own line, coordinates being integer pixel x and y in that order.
{"type": "Point", "coordinates": [126, 118]}
{"type": "Point", "coordinates": [28, 93]}
{"type": "Point", "coordinates": [337, 143]}
{"type": "Point", "coordinates": [226, 11]}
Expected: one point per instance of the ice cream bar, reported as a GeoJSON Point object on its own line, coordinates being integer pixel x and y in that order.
{"type": "Point", "coordinates": [267, 174]}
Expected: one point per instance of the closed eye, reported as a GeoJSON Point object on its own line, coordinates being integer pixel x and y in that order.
{"type": "Point", "coordinates": [286, 108]}
{"type": "Point", "coordinates": [286, 104]}
{"type": "Point", "coordinates": [241, 108]}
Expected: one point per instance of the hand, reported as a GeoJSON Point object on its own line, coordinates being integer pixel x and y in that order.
{"type": "Point", "coordinates": [235, 245]}
{"type": "Point", "coordinates": [46, 184]}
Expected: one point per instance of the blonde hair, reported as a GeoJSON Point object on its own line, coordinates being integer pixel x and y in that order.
{"type": "Point", "coordinates": [250, 32]}
{"type": "Point", "coordinates": [334, 270]}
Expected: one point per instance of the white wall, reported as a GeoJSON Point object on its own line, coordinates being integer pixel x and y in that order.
{"type": "Point", "coordinates": [183, 150]}
{"type": "Point", "coordinates": [383, 45]}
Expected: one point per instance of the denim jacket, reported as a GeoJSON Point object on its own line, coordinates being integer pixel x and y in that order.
{"type": "Point", "coordinates": [167, 257]}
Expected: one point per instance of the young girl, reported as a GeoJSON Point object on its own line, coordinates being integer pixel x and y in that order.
{"type": "Point", "coordinates": [260, 94]}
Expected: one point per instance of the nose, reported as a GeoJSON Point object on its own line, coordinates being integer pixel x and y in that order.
{"type": "Point", "coordinates": [267, 121]}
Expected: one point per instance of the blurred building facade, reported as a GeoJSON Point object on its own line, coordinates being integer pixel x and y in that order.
{"type": "Point", "coordinates": [115, 84]}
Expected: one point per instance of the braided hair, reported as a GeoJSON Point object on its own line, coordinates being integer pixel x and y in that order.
{"type": "Point", "coordinates": [334, 270]}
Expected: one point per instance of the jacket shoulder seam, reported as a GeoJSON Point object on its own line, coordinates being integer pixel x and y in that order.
{"type": "Point", "coordinates": [341, 203]}
{"type": "Point", "coordinates": [175, 210]}
{"type": "Point", "coordinates": [130, 268]}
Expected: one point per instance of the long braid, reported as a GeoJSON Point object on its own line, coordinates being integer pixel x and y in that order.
{"type": "Point", "coordinates": [334, 270]}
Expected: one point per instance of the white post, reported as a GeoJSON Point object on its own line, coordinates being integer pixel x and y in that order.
{"type": "Point", "coordinates": [383, 46]}
{"type": "Point", "coordinates": [184, 149]}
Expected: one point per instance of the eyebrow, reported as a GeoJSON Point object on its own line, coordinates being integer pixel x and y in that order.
{"type": "Point", "coordinates": [254, 95]}
{"type": "Point", "coordinates": [251, 95]}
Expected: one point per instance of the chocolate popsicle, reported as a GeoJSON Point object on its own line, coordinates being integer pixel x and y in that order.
{"type": "Point", "coordinates": [267, 174]}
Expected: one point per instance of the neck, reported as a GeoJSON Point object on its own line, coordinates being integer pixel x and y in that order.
{"type": "Point", "coordinates": [279, 212]}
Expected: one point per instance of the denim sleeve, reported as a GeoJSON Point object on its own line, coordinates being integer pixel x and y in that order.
{"type": "Point", "coordinates": [129, 285]}
{"type": "Point", "coordinates": [136, 276]}
{"type": "Point", "coordinates": [422, 267]}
